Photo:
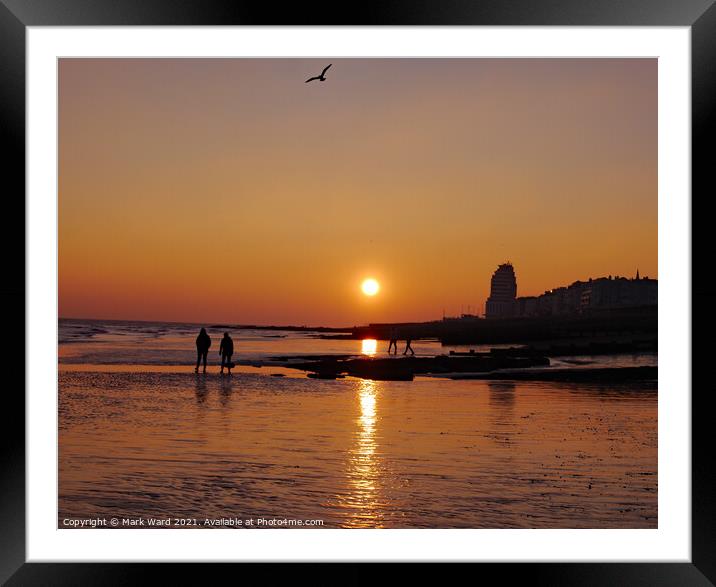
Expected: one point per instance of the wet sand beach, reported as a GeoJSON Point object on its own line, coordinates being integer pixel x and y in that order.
{"type": "Point", "coordinates": [358, 453]}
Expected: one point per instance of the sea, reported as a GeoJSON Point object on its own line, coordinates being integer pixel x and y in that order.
{"type": "Point", "coordinates": [144, 438]}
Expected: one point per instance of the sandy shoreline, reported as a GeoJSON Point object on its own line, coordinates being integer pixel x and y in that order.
{"type": "Point", "coordinates": [357, 453]}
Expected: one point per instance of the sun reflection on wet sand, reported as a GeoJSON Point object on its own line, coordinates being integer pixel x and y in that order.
{"type": "Point", "coordinates": [369, 346]}
{"type": "Point", "coordinates": [363, 467]}
{"type": "Point", "coordinates": [387, 454]}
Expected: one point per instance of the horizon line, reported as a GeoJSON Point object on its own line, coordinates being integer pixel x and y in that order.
{"type": "Point", "coordinates": [215, 323]}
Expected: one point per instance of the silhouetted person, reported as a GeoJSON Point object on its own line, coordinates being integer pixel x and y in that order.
{"type": "Point", "coordinates": [203, 342]}
{"type": "Point", "coordinates": [226, 349]}
{"type": "Point", "coordinates": [408, 340]}
{"type": "Point", "coordinates": [393, 340]}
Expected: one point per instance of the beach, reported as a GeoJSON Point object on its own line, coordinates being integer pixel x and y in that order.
{"type": "Point", "coordinates": [142, 437]}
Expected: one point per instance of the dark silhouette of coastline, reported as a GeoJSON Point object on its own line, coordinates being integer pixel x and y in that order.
{"type": "Point", "coordinates": [619, 325]}
{"type": "Point", "coordinates": [287, 328]}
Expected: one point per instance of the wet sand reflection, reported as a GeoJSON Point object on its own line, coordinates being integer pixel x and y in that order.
{"type": "Point", "coordinates": [363, 466]}
{"type": "Point", "coordinates": [359, 454]}
{"type": "Point", "coordinates": [225, 388]}
{"type": "Point", "coordinates": [502, 406]}
{"type": "Point", "coordinates": [201, 390]}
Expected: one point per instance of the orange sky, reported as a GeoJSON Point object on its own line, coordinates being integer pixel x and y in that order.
{"type": "Point", "coordinates": [228, 190]}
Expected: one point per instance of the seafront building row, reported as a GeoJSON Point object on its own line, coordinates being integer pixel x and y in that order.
{"type": "Point", "coordinates": [614, 312]}
{"type": "Point", "coordinates": [578, 297]}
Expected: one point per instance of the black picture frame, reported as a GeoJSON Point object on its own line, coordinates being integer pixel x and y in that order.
{"type": "Point", "coordinates": [17, 15]}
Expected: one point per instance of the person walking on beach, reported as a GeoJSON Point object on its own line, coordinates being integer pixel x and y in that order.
{"type": "Point", "coordinates": [226, 349]}
{"type": "Point", "coordinates": [203, 342]}
{"type": "Point", "coordinates": [408, 340]}
{"type": "Point", "coordinates": [393, 340]}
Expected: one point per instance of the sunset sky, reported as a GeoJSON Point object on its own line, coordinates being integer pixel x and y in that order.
{"type": "Point", "coordinates": [228, 190]}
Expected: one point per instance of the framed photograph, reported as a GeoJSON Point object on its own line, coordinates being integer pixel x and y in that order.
{"type": "Point", "coordinates": [411, 288]}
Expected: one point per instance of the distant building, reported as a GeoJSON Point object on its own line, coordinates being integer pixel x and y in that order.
{"type": "Point", "coordinates": [582, 296]}
{"type": "Point", "coordinates": [503, 293]}
{"type": "Point", "coordinates": [526, 306]}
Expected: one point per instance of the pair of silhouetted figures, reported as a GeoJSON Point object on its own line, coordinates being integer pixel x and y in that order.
{"type": "Point", "coordinates": [226, 349]}
{"type": "Point", "coordinates": [394, 337]}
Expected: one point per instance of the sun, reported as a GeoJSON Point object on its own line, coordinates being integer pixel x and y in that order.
{"type": "Point", "coordinates": [370, 287]}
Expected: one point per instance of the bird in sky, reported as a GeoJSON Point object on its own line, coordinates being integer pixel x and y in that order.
{"type": "Point", "coordinates": [321, 77]}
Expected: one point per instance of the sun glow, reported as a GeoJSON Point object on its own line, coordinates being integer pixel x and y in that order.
{"type": "Point", "coordinates": [370, 287]}
{"type": "Point", "coordinates": [369, 346]}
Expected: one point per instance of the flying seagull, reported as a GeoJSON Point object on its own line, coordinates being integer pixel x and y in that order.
{"type": "Point", "coordinates": [321, 77]}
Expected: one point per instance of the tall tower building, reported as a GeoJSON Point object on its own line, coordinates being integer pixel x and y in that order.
{"type": "Point", "coordinates": [503, 293]}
